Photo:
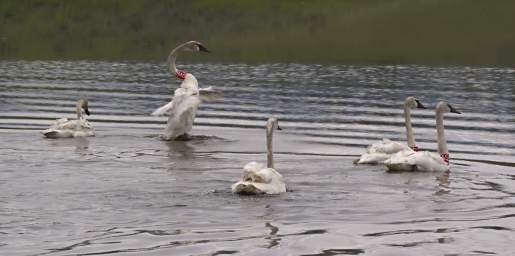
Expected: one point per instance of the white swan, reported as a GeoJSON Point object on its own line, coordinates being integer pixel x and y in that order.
{"type": "Point", "coordinates": [64, 128]}
{"type": "Point", "coordinates": [426, 161]}
{"type": "Point", "coordinates": [183, 107]}
{"type": "Point", "coordinates": [378, 152]}
{"type": "Point", "coordinates": [259, 180]}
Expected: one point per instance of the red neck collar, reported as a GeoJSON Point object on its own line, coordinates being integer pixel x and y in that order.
{"type": "Point", "coordinates": [415, 148]}
{"type": "Point", "coordinates": [445, 157]}
{"type": "Point", "coordinates": [180, 74]}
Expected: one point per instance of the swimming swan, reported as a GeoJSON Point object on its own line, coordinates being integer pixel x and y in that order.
{"type": "Point", "coordinates": [426, 161]}
{"type": "Point", "coordinates": [378, 152]}
{"type": "Point", "coordinates": [64, 128]}
{"type": "Point", "coordinates": [186, 99]}
{"type": "Point", "coordinates": [259, 180]}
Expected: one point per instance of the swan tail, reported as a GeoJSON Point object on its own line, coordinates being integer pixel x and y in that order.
{"type": "Point", "coordinates": [50, 134]}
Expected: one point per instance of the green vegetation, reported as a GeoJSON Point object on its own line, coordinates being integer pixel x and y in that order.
{"type": "Point", "coordinates": [471, 32]}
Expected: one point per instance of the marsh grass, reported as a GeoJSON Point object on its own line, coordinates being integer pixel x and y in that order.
{"type": "Point", "coordinates": [347, 31]}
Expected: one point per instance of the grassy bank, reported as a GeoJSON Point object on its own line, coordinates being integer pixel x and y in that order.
{"type": "Point", "coordinates": [468, 32]}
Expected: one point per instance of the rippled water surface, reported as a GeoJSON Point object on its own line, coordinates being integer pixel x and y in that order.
{"type": "Point", "coordinates": [128, 192]}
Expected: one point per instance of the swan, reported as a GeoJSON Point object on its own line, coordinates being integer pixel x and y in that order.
{"type": "Point", "coordinates": [186, 99]}
{"type": "Point", "coordinates": [64, 128]}
{"type": "Point", "coordinates": [378, 152]}
{"type": "Point", "coordinates": [425, 160]}
{"type": "Point", "coordinates": [259, 180]}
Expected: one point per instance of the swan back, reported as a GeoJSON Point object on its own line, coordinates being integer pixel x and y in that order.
{"type": "Point", "coordinates": [379, 152]}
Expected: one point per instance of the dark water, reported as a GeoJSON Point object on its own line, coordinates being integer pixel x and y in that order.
{"type": "Point", "coordinates": [127, 192]}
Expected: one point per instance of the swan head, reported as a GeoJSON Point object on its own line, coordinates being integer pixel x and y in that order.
{"type": "Point", "coordinates": [413, 102]}
{"type": "Point", "coordinates": [273, 124]}
{"type": "Point", "coordinates": [191, 46]}
{"type": "Point", "coordinates": [446, 108]}
{"type": "Point", "coordinates": [83, 103]}
{"type": "Point", "coordinates": [194, 46]}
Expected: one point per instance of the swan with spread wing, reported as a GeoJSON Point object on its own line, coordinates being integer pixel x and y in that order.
{"type": "Point", "coordinates": [186, 99]}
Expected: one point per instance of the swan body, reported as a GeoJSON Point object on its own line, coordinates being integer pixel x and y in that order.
{"type": "Point", "coordinates": [416, 161]}
{"type": "Point", "coordinates": [256, 179]}
{"type": "Point", "coordinates": [186, 99]}
{"type": "Point", "coordinates": [378, 152]}
{"type": "Point", "coordinates": [259, 180]}
{"type": "Point", "coordinates": [425, 161]}
{"type": "Point", "coordinates": [65, 128]}
{"type": "Point", "coordinates": [181, 110]}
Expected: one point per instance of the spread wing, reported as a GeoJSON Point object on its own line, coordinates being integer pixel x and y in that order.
{"type": "Point", "coordinates": [169, 108]}
{"type": "Point", "coordinates": [182, 101]}
{"type": "Point", "coordinates": [164, 110]}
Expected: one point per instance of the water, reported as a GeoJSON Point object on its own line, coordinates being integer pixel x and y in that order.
{"type": "Point", "coordinates": [127, 192]}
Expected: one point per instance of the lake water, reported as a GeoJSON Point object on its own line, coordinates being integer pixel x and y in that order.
{"type": "Point", "coordinates": [127, 192]}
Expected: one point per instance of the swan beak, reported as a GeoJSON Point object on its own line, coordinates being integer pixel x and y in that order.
{"type": "Point", "coordinates": [419, 105]}
{"type": "Point", "coordinates": [86, 110]}
{"type": "Point", "coordinates": [202, 48]}
{"type": "Point", "coordinates": [279, 128]}
{"type": "Point", "coordinates": [453, 110]}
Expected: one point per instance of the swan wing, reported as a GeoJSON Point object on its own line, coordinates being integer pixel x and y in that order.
{"type": "Point", "coordinates": [386, 146]}
{"type": "Point", "coordinates": [416, 161]}
{"type": "Point", "coordinates": [209, 94]}
{"type": "Point", "coordinates": [64, 128]}
{"type": "Point", "coordinates": [401, 161]}
{"type": "Point", "coordinates": [271, 188]}
{"type": "Point", "coordinates": [253, 167]}
{"type": "Point", "coordinates": [64, 124]}
{"type": "Point", "coordinates": [258, 180]}
{"type": "Point", "coordinates": [270, 176]}
{"type": "Point", "coordinates": [430, 162]}
{"type": "Point", "coordinates": [164, 110]}
{"type": "Point", "coordinates": [378, 152]}
{"type": "Point", "coordinates": [372, 158]}
{"type": "Point", "coordinates": [246, 187]}
{"type": "Point", "coordinates": [180, 96]}
{"type": "Point", "coordinates": [181, 111]}
{"type": "Point", "coordinates": [168, 108]}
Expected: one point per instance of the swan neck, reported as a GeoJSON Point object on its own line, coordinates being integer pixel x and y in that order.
{"type": "Point", "coordinates": [440, 136]}
{"type": "Point", "coordinates": [78, 110]}
{"type": "Point", "coordinates": [269, 151]}
{"type": "Point", "coordinates": [172, 57]}
{"type": "Point", "coordinates": [409, 129]}
{"type": "Point", "coordinates": [171, 61]}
